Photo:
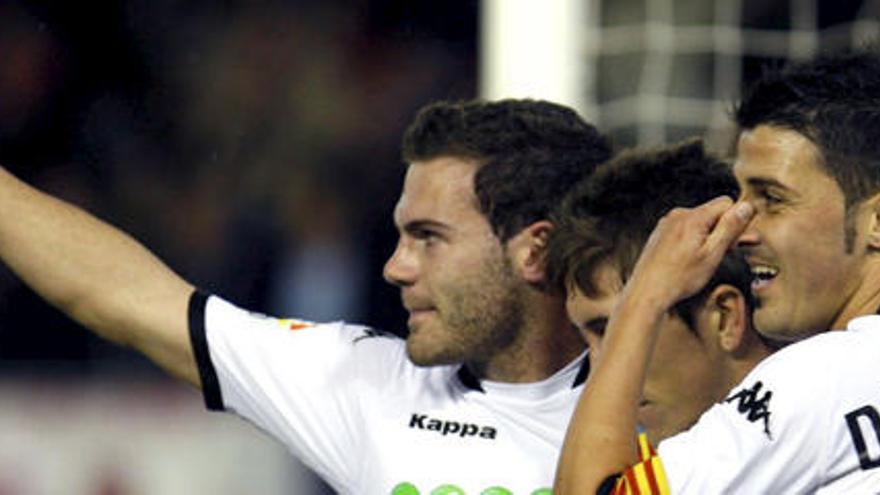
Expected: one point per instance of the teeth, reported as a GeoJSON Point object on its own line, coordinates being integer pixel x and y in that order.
{"type": "Point", "coordinates": [764, 272]}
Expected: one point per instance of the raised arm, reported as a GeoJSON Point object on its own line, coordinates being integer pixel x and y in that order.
{"type": "Point", "coordinates": [678, 260]}
{"type": "Point", "coordinates": [97, 275]}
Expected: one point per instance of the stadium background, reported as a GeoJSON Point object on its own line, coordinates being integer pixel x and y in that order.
{"type": "Point", "coordinates": [253, 146]}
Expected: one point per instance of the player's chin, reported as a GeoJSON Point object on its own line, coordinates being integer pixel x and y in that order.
{"type": "Point", "coordinates": [424, 351]}
{"type": "Point", "coordinates": [771, 321]}
{"type": "Point", "coordinates": [424, 359]}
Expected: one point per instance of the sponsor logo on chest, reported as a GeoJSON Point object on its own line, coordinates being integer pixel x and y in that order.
{"type": "Point", "coordinates": [446, 427]}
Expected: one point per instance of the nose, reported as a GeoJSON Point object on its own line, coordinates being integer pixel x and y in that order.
{"type": "Point", "coordinates": [750, 236]}
{"type": "Point", "coordinates": [400, 269]}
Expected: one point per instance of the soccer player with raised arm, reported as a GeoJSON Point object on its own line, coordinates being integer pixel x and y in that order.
{"type": "Point", "coordinates": [475, 400]}
{"type": "Point", "coordinates": [807, 418]}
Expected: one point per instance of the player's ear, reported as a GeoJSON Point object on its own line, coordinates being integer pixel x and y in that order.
{"type": "Point", "coordinates": [728, 317]}
{"type": "Point", "coordinates": [526, 250]}
{"type": "Point", "coordinates": [872, 205]}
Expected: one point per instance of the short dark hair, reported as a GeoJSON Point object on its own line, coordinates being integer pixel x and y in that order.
{"type": "Point", "coordinates": [609, 216]}
{"type": "Point", "coordinates": [529, 152]}
{"type": "Point", "coordinates": [834, 101]}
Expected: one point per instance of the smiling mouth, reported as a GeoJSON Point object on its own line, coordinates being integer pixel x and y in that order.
{"type": "Point", "coordinates": [762, 275]}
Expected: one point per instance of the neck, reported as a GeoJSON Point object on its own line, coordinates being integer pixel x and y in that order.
{"type": "Point", "coordinates": [546, 344]}
{"type": "Point", "coordinates": [753, 351]}
{"type": "Point", "coordinates": [865, 300]}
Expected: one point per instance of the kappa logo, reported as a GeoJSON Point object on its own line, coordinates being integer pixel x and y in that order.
{"type": "Point", "coordinates": [446, 427]}
{"type": "Point", "coordinates": [756, 409]}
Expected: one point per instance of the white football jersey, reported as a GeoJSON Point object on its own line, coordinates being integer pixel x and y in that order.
{"type": "Point", "coordinates": [805, 420]}
{"type": "Point", "coordinates": [347, 401]}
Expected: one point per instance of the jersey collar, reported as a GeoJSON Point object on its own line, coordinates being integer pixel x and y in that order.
{"type": "Point", "coordinates": [473, 383]}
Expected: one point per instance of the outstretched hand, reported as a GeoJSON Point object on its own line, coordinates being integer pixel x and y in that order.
{"type": "Point", "coordinates": [686, 247]}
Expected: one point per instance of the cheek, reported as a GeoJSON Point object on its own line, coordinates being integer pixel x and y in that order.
{"type": "Point", "coordinates": [449, 270]}
{"type": "Point", "coordinates": [677, 362]}
{"type": "Point", "coordinates": [801, 243]}
{"type": "Point", "coordinates": [814, 249]}
{"type": "Point", "coordinates": [472, 290]}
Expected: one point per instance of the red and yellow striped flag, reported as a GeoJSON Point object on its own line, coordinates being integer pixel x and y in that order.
{"type": "Point", "coordinates": [645, 478]}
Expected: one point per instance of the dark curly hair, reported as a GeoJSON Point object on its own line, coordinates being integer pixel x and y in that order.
{"type": "Point", "coordinates": [609, 216]}
{"type": "Point", "coordinates": [529, 153]}
{"type": "Point", "coordinates": [834, 101]}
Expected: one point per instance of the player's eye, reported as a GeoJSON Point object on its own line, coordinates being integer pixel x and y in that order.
{"type": "Point", "coordinates": [427, 236]}
{"type": "Point", "coordinates": [771, 198]}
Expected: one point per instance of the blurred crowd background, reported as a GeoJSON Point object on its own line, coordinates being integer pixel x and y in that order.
{"type": "Point", "coordinates": [254, 147]}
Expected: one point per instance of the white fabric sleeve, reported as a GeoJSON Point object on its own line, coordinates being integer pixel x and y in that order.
{"type": "Point", "coordinates": [805, 420]}
{"type": "Point", "coordinates": [763, 438]}
{"type": "Point", "coordinates": [302, 383]}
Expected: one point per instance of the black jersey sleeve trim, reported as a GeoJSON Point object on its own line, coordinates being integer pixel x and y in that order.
{"type": "Point", "coordinates": [607, 486]}
{"type": "Point", "coordinates": [199, 340]}
{"type": "Point", "coordinates": [583, 372]}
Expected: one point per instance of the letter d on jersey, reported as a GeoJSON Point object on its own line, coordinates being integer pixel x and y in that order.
{"type": "Point", "coordinates": [871, 422]}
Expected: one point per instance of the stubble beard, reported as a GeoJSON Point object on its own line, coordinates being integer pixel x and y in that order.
{"type": "Point", "coordinates": [477, 318]}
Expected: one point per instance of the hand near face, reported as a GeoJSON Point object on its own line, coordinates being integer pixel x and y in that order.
{"type": "Point", "coordinates": [685, 248]}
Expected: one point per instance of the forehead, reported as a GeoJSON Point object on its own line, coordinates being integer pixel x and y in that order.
{"type": "Point", "coordinates": [608, 284]}
{"type": "Point", "coordinates": [783, 155]}
{"type": "Point", "coordinates": [436, 189]}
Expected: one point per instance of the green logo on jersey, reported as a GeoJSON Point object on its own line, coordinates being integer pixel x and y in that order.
{"type": "Point", "coordinates": [405, 489]}
{"type": "Point", "coordinates": [410, 489]}
{"type": "Point", "coordinates": [447, 490]}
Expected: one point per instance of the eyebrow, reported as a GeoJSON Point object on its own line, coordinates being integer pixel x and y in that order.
{"type": "Point", "coordinates": [764, 182]}
{"type": "Point", "coordinates": [413, 226]}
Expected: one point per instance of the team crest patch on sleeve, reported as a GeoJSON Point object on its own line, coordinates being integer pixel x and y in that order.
{"type": "Point", "coordinates": [294, 324]}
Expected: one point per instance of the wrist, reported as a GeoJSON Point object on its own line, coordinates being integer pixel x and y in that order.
{"type": "Point", "coordinates": [649, 300]}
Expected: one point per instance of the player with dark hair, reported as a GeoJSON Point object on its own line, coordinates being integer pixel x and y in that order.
{"type": "Point", "coordinates": [487, 415]}
{"type": "Point", "coordinates": [506, 166]}
{"type": "Point", "coordinates": [807, 418]}
{"type": "Point", "coordinates": [707, 344]}
{"type": "Point", "coordinates": [809, 155]}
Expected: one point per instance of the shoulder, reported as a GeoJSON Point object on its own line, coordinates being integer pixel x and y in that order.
{"type": "Point", "coordinates": [223, 315]}
{"type": "Point", "coordinates": [289, 342]}
{"type": "Point", "coordinates": [827, 356]}
{"type": "Point", "coordinates": [794, 393]}
{"type": "Point", "coordinates": [807, 380]}
{"type": "Point", "coordinates": [792, 423]}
